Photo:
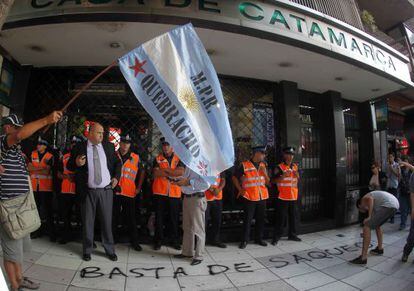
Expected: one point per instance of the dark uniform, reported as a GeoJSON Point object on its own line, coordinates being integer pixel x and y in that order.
{"type": "Point", "coordinates": [68, 200]}
{"type": "Point", "coordinates": [167, 200]}
{"type": "Point", "coordinates": [286, 176]}
{"type": "Point", "coordinates": [214, 209]}
{"type": "Point", "coordinates": [126, 194]}
{"type": "Point", "coordinates": [42, 183]}
{"type": "Point", "coordinates": [253, 183]}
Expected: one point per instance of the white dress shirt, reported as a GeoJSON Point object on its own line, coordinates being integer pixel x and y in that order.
{"type": "Point", "coordinates": [106, 177]}
{"type": "Point", "coordinates": [197, 184]}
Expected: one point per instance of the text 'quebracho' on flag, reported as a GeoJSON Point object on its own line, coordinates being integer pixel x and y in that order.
{"type": "Point", "coordinates": [175, 81]}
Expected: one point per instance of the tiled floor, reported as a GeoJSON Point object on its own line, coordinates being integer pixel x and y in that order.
{"type": "Point", "coordinates": [319, 262]}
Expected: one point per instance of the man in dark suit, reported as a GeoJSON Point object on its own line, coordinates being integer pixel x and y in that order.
{"type": "Point", "coordinates": [97, 171]}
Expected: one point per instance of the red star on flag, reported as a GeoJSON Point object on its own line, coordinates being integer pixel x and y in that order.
{"type": "Point", "coordinates": [138, 67]}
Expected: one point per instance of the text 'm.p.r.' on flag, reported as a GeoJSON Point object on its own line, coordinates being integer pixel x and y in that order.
{"type": "Point", "coordinates": [175, 81]}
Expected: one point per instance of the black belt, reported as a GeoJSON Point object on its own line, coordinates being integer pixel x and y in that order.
{"type": "Point", "coordinates": [109, 187]}
{"type": "Point", "coordinates": [197, 194]}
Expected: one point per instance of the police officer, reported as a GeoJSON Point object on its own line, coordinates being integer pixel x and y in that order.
{"type": "Point", "coordinates": [167, 196]}
{"type": "Point", "coordinates": [128, 188]}
{"type": "Point", "coordinates": [214, 197]}
{"type": "Point", "coordinates": [250, 180]}
{"type": "Point", "coordinates": [40, 168]}
{"type": "Point", "coordinates": [286, 178]}
{"type": "Point", "coordinates": [67, 198]}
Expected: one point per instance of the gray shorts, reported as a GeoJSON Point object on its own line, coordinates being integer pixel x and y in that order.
{"type": "Point", "coordinates": [13, 248]}
{"type": "Point", "coordinates": [381, 216]}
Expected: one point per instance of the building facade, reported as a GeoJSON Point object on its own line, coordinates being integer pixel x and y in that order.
{"type": "Point", "coordinates": [299, 73]}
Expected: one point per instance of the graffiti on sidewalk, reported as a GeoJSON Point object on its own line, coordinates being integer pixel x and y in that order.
{"type": "Point", "coordinates": [276, 261]}
{"type": "Point", "coordinates": [282, 261]}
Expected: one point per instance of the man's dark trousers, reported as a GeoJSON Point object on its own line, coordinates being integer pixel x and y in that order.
{"type": "Point", "coordinates": [257, 210]}
{"type": "Point", "coordinates": [125, 214]}
{"type": "Point", "coordinates": [101, 201]}
{"type": "Point", "coordinates": [408, 248]}
{"type": "Point", "coordinates": [286, 211]}
{"type": "Point", "coordinates": [171, 206]}
{"type": "Point", "coordinates": [213, 215]}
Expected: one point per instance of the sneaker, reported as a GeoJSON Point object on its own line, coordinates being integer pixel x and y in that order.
{"type": "Point", "coordinates": [377, 251]}
{"type": "Point", "coordinates": [404, 258]}
{"type": "Point", "coordinates": [29, 284]}
{"type": "Point", "coordinates": [358, 261]}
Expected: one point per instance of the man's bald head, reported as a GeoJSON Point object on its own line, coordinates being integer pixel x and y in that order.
{"type": "Point", "coordinates": [96, 133]}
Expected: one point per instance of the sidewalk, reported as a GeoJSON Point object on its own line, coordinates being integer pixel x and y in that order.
{"type": "Point", "coordinates": [317, 263]}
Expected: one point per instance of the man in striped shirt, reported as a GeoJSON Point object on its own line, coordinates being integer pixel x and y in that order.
{"type": "Point", "coordinates": [14, 182]}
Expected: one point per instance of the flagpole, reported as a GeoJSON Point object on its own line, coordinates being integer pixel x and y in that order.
{"type": "Point", "coordinates": [84, 88]}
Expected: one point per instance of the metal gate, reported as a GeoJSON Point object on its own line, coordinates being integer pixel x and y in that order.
{"type": "Point", "coordinates": [111, 102]}
{"type": "Point", "coordinates": [311, 198]}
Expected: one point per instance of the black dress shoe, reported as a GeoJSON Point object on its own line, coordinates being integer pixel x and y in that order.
{"type": "Point", "coordinates": [176, 247]}
{"type": "Point", "coordinates": [294, 238]}
{"type": "Point", "coordinates": [157, 246]}
{"type": "Point", "coordinates": [261, 243]}
{"type": "Point", "coordinates": [377, 251]}
{"type": "Point", "coordinates": [36, 234]}
{"type": "Point", "coordinates": [94, 245]}
{"type": "Point", "coordinates": [243, 245]}
{"type": "Point", "coordinates": [86, 257]}
{"type": "Point", "coordinates": [181, 256]}
{"type": "Point", "coordinates": [137, 247]}
{"type": "Point", "coordinates": [195, 262]}
{"type": "Point", "coordinates": [63, 241]}
{"type": "Point", "coordinates": [275, 241]}
{"type": "Point", "coordinates": [113, 257]}
{"type": "Point", "coordinates": [219, 244]}
{"type": "Point", "coordinates": [358, 261]}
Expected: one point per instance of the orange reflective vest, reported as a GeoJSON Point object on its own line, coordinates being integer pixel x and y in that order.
{"type": "Point", "coordinates": [210, 195]}
{"type": "Point", "coordinates": [253, 181]}
{"type": "Point", "coordinates": [41, 182]}
{"type": "Point", "coordinates": [161, 185]}
{"type": "Point", "coordinates": [128, 176]}
{"type": "Point", "coordinates": [288, 186]}
{"type": "Point", "coordinates": [68, 185]}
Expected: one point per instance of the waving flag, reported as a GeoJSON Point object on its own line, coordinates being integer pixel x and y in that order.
{"type": "Point", "coordinates": [174, 79]}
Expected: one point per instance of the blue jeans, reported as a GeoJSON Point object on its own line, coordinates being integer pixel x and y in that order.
{"type": "Point", "coordinates": [410, 240]}
{"type": "Point", "coordinates": [404, 208]}
{"type": "Point", "coordinates": [393, 191]}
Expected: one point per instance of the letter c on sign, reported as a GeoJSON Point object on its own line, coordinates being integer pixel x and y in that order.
{"type": "Point", "coordinates": [243, 6]}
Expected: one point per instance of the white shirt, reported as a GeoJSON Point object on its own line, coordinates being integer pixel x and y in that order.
{"type": "Point", "coordinates": [106, 177]}
{"type": "Point", "coordinates": [197, 184]}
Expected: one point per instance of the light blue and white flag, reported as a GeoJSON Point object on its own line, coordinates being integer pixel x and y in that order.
{"type": "Point", "coordinates": [175, 81]}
